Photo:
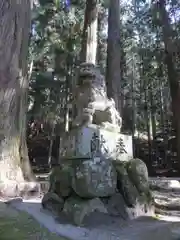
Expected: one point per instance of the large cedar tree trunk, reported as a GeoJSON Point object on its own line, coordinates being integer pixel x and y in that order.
{"type": "Point", "coordinates": [173, 76]}
{"type": "Point", "coordinates": [14, 38]}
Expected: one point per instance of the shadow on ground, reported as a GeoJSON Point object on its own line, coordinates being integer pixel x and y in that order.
{"type": "Point", "coordinates": [101, 226]}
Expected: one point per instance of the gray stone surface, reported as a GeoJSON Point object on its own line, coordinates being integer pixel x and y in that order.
{"type": "Point", "coordinates": [125, 186]}
{"type": "Point", "coordinates": [138, 173]}
{"type": "Point", "coordinates": [94, 178]}
{"type": "Point", "coordinates": [92, 148]}
{"type": "Point", "coordinates": [53, 202]}
{"type": "Point", "coordinates": [60, 180]}
{"type": "Point", "coordinates": [116, 206]}
{"type": "Point", "coordinates": [78, 143]}
{"type": "Point", "coordinates": [77, 208]}
{"type": "Point", "coordinates": [92, 103]}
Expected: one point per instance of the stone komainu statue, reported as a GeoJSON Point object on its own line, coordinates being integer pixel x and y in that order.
{"type": "Point", "coordinates": [91, 101]}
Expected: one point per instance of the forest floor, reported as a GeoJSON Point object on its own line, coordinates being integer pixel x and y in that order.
{"type": "Point", "coordinates": [18, 225]}
{"type": "Point", "coordinates": [165, 225]}
{"type": "Point", "coordinates": [101, 228]}
{"type": "Point", "coordinates": [27, 220]}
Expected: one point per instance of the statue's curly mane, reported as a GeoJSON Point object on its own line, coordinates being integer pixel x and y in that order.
{"type": "Point", "coordinates": [91, 101]}
{"type": "Point", "coordinates": [91, 76]}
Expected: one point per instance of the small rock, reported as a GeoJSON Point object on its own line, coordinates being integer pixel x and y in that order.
{"type": "Point", "coordinates": [141, 209]}
{"type": "Point", "coordinates": [116, 206]}
{"type": "Point", "coordinates": [53, 202]}
{"type": "Point", "coordinates": [77, 208]}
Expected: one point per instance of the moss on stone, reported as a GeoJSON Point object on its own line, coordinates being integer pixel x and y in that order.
{"type": "Point", "coordinates": [138, 174]}
{"type": "Point", "coordinates": [125, 186]}
{"type": "Point", "coordinates": [77, 208]}
{"type": "Point", "coordinates": [60, 180]}
{"type": "Point", "coordinates": [95, 177]}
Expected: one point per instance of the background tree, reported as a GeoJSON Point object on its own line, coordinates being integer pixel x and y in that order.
{"type": "Point", "coordinates": [89, 36]}
{"type": "Point", "coordinates": [142, 74]}
{"type": "Point", "coordinates": [170, 58]}
{"type": "Point", "coordinates": [113, 72]}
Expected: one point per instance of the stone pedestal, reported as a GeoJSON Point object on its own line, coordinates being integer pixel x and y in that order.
{"type": "Point", "coordinates": [97, 171]}
{"type": "Point", "coordinates": [94, 140]}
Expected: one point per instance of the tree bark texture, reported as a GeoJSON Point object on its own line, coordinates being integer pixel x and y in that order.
{"type": "Point", "coordinates": [89, 37]}
{"type": "Point", "coordinates": [113, 73]}
{"type": "Point", "coordinates": [14, 38]}
{"type": "Point", "coordinates": [173, 75]}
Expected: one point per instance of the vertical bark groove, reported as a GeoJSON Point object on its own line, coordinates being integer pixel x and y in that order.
{"type": "Point", "coordinates": [14, 38]}
{"type": "Point", "coordinates": [89, 36]}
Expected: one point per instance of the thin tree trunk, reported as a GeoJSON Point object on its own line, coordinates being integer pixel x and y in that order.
{"type": "Point", "coordinates": [101, 46]}
{"type": "Point", "coordinates": [172, 73]}
{"type": "Point", "coordinates": [30, 69]}
{"type": "Point", "coordinates": [148, 127]}
{"type": "Point", "coordinates": [133, 104]}
{"type": "Point", "coordinates": [153, 113]}
{"type": "Point", "coordinates": [113, 71]}
{"type": "Point", "coordinates": [14, 38]}
{"type": "Point", "coordinates": [163, 125]}
{"type": "Point", "coordinates": [152, 124]}
{"type": "Point", "coordinates": [89, 38]}
{"type": "Point", "coordinates": [66, 109]}
{"type": "Point", "coordinates": [51, 145]}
